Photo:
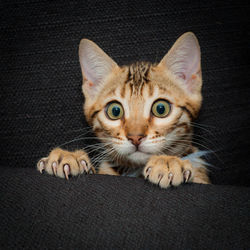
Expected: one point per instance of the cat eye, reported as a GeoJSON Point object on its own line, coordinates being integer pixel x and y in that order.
{"type": "Point", "coordinates": [114, 111]}
{"type": "Point", "coordinates": [161, 108]}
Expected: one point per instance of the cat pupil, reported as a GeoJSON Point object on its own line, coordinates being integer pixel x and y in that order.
{"type": "Point", "coordinates": [160, 109]}
{"type": "Point", "coordinates": [116, 111]}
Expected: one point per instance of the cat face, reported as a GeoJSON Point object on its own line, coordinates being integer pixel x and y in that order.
{"type": "Point", "coordinates": [142, 109]}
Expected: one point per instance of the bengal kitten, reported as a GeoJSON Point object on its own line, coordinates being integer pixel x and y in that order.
{"type": "Point", "coordinates": [142, 114]}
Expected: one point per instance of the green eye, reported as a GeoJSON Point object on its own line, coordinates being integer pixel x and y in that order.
{"type": "Point", "coordinates": [161, 108]}
{"type": "Point", "coordinates": [114, 111]}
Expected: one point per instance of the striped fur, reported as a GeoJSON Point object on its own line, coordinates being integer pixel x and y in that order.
{"type": "Point", "coordinates": [136, 87]}
{"type": "Point", "coordinates": [139, 139]}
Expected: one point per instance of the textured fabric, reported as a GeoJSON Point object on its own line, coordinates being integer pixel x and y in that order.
{"type": "Point", "coordinates": [41, 100]}
{"type": "Point", "coordinates": [41, 107]}
{"type": "Point", "coordinates": [108, 212]}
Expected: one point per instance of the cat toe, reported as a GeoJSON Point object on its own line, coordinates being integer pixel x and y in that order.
{"type": "Point", "coordinates": [84, 162]}
{"type": "Point", "coordinates": [85, 167]}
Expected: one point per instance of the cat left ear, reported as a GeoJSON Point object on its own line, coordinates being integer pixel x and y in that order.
{"type": "Point", "coordinates": [183, 60]}
{"type": "Point", "coordinates": [96, 65]}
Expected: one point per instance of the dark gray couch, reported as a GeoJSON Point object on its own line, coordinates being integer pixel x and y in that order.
{"type": "Point", "coordinates": [41, 107]}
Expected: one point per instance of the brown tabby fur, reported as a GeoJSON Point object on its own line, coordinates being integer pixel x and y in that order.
{"type": "Point", "coordinates": [136, 87]}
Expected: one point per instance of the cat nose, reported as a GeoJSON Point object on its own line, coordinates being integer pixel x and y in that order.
{"type": "Point", "coordinates": [135, 139]}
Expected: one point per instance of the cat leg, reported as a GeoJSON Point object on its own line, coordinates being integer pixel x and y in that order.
{"type": "Point", "coordinates": [167, 170]}
{"type": "Point", "coordinates": [62, 163]}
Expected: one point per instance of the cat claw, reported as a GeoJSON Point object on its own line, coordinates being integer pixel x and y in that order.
{"type": "Point", "coordinates": [170, 177]}
{"type": "Point", "coordinates": [187, 175]}
{"type": "Point", "coordinates": [148, 170]}
{"type": "Point", "coordinates": [84, 165]}
{"type": "Point", "coordinates": [160, 176]}
{"type": "Point", "coordinates": [66, 170]}
{"type": "Point", "coordinates": [41, 166]}
{"type": "Point", "coordinates": [54, 167]}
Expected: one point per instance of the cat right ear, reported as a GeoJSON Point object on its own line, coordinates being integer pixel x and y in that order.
{"type": "Point", "coordinates": [184, 62]}
{"type": "Point", "coordinates": [96, 65]}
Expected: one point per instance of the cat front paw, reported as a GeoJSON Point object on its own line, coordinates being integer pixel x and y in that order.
{"type": "Point", "coordinates": [62, 163]}
{"type": "Point", "coordinates": [166, 170]}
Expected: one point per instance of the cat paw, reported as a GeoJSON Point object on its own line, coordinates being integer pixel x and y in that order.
{"type": "Point", "coordinates": [62, 163]}
{"type": "Point", "coordinates": [166, 170]}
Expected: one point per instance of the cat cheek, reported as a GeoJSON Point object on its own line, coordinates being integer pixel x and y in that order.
{"type": "Point", "coordinates": [161, 122]}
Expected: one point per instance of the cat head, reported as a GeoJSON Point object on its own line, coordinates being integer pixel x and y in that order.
{"type": "Point", "coordinates": [143, 109]}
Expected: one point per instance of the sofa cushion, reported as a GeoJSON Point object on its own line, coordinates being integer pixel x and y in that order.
{"type": "Point", "coordinates": [108, 212]}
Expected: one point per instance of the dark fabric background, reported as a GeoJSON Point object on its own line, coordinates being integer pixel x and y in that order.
{"type": "Point", "coordinates": [109, 212]}
{"type": "Point", "coordinates": [41, 107]}
{"type": "Point", "coordinates": [41, 100]}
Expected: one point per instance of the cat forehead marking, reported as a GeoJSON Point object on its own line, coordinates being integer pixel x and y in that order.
{"type": "Point", "coordinates": [138, 75]}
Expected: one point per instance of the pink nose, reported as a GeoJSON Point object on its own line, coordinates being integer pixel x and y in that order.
{"type": "Point", "coordinates": [135, 139]}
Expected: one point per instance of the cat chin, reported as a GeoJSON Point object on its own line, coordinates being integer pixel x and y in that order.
{"type": "Point", "coordinates": [138, 157]}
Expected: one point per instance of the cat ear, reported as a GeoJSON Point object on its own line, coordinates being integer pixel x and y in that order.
{"type": "Point", "coordinates": [96, 65]}
{"type": "Point", "coordinates": [183, 60]}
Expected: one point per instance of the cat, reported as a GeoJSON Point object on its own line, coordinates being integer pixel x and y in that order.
{"type": "Point", "coordinates": [142, 113]}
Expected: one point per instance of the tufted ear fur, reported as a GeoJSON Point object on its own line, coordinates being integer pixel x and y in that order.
{"type": "Point", "coordinates": [183, 61]}
{"type": "Point", "coordinates": [96, 65]}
